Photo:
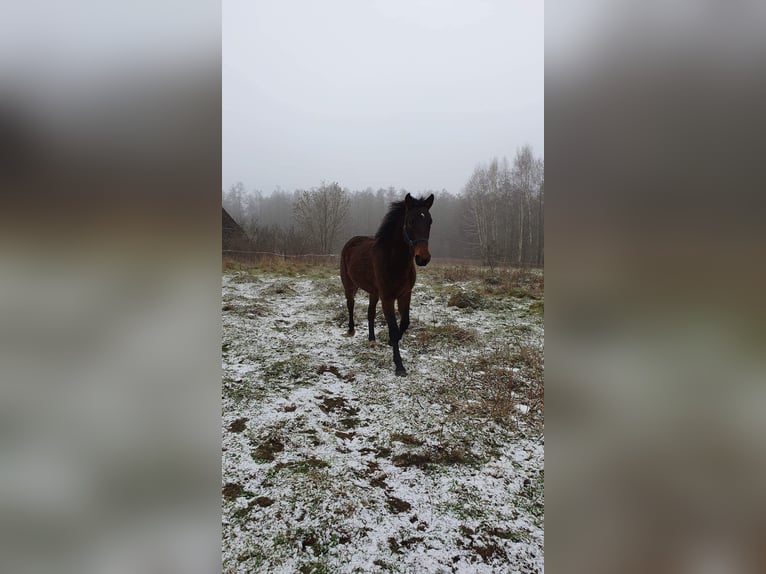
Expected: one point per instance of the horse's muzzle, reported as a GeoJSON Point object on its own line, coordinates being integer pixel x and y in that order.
{"type": "Point", "coordinates": [421, 252]}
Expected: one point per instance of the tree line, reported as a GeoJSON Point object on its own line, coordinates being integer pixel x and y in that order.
{"type": "Point", "coordinates": [497, 216]}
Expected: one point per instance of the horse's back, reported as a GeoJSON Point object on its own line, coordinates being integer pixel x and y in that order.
{"type": "Point", "coordinates": [357, 242]}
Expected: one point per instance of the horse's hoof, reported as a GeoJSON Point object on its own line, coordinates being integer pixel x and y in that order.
{"type": "Point", "coordinates": [350, 334]}
{"type": "Point", "coordinates": [373, 344]}
{"type": "Point", "coordinates": [401, 372]}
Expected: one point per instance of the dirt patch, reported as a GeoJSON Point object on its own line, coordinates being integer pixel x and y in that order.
{"type": "Point", "coordinates": [264, 501]}
{"type": "Point", "coordinates": [489, 551]}
{"type": "Point", "coordinates": [265, 451]}
{"type": "Point", "coordinates": [238, 425]}
{"type": "Point", "coordinates": [440, 456]}
{"type": "Point", "coordinates": [378, 476]}
{"type": "Point", "coordinates": [330, 404]}
{"type": "Point", "coordinates": [406, 439]}
{"type": "Point", "coordinates": [331, 369]}
{"type": "Point", "coordinates": [232, 491]}
{"type": "Point", "coordinates": [397, 505]}
{"type": "Point", "coordinates": [412, 459]}
{"type": "Point", "coordinates": [506, 534]}
{"type": "Point", "coordinates": [383, 452]}
{"type": "Point", "coordinates": [349, 422]}
{"type": "Point", "coordinates": [345, 435]}
{"type": "Point", "coordinates": [379, 482]}
{"type": "Point", "coordinates": [411, 541]}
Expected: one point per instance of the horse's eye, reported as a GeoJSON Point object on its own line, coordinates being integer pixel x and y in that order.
{"type": "Point", "coordinates": [422, 215]}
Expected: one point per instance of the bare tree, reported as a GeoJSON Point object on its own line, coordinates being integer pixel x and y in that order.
{"type": "Point", "coordinates": [233, 201]}
{"type": "Point", "coordinates": [498, 216]}
{"type": "Point", "coordinates": [526, 178]}
{"type": "Point", "coordinates": [540, 222]}
{"type": "Point", "coordinates": [482, 193]}
{"type": "Point", "coordinates": [322, 212]}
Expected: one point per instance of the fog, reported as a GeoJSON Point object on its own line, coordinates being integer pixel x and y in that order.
{"type": "Point", "coordinates": [377, 94]}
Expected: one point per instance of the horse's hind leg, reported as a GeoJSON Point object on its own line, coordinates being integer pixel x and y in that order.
{"type": "Point", "coordinates": [350, 304]}
{"type": "Point", "coordinates": [371, 314]}
{"type": "Point", "coordinates": [393, 334]}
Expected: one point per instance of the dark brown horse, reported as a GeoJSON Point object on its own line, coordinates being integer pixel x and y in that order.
{"type": "Point", "coordinates": [382, 266]}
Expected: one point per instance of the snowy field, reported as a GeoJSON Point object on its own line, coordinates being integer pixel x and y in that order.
{"type": "Point", "coordinates": [331, 463]}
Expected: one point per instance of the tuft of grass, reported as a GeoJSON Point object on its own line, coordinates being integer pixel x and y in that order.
{"type": "Point", "coordinates": [241, 390]}
{"type": "Point", "coordinates": [531, 497]}
{"type": "Point", "coordinates": [291, 369]}
{"type": "Point", "coordinates": [279, 288]}
{"type": "Point", "coordinates": [464, 300]}
{"type": "Point", "coordinates": [445, 334]}
{"type": "Point", "coordinates": [303, 466]}
{"type": "Point", "coordinates": [522, 293]}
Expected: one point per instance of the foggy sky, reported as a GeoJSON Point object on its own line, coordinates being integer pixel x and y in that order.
{"type": "Point", "coordinates": [409, 93]}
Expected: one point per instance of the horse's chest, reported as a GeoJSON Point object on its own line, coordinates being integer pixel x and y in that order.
{"type": "Point", "coordinates": [395, 279]}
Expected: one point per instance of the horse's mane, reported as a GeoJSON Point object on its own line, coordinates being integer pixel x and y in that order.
{"type": "Point", "coordinates": [392, 222]}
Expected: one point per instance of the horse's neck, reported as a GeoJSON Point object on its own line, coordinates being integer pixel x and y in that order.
{"type": "Point", "coordinates": [395, 241]}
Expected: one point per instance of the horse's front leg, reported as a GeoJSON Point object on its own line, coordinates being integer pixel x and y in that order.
{"type": "Point", "coordinates": [393, 334]}
{"type": "Point", "coordinates": [403, 303]}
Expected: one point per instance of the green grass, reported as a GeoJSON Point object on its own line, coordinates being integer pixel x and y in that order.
{"type": "Point", "coordinates": [294, 368]}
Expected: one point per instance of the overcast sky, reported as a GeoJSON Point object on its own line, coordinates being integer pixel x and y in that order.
{"type": "Point", "coordinates": [409, 93]}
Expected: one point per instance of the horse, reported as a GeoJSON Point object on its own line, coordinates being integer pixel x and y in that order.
{"type": "Point", "coordinates": [383, 267]}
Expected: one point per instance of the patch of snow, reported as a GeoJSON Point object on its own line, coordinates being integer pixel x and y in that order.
{"type": "Point", "coordinates": [326, 420]}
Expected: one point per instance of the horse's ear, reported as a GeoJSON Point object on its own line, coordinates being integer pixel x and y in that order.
{"type": "Point", "coordinates": [408, 200]}
{"type": "Point", "coordinates": [430, 201]}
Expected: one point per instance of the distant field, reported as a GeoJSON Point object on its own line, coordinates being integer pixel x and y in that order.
{"type": "Point", "coordinates": [331, 463]}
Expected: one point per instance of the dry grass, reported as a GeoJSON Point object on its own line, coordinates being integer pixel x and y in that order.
{"type": "Point", "coordinates": [498, 383]}
{"type": "Point", "coordinates": [453, 334]}
{"type": "Point", "coordinates": [289, 266]}
{"type": "Point", "coordinates": [464, 299]}
{"type": "Point", "coordinates": [517, 282]}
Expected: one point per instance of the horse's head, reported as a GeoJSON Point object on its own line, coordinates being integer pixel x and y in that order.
{"type": "Point", "coordinates": [417, 226]}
